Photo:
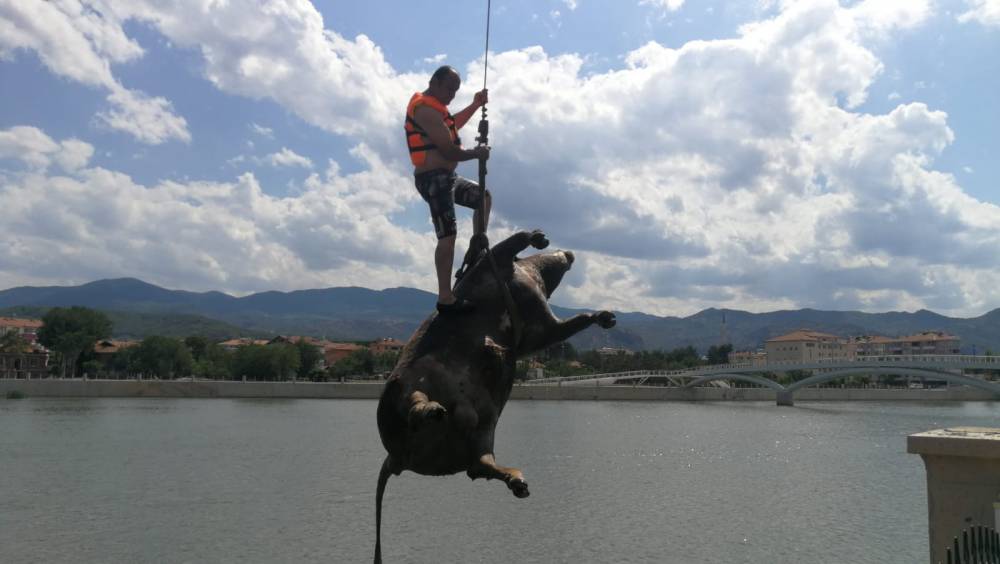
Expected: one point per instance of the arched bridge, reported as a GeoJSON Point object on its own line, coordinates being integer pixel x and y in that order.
{"type": "Point", "coordinates": [950, 368]}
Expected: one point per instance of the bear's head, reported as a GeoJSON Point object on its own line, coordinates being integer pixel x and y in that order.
{"type": "Point", "coordinates": [550, 268]}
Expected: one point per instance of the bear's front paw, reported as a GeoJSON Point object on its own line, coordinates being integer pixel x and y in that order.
{"type": "Point", "coordinates": [605, 319]}
{"type": "Point", "coordinates": [519, 487]}
{"type": "Point", "coordinates": [538, 239]}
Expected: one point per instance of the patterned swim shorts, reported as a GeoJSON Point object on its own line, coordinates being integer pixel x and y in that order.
{"type": "Point", "coordinates": [442, 189]}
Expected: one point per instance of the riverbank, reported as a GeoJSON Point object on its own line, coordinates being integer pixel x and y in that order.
{"type": "Point", "coordinates": [372, 390]}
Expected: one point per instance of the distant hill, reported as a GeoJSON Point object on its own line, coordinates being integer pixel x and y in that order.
{"type": "Point", "coordinates": [336, 313]}
{"type": "Point", "coordinates": [353, 313]}
{"type": "Point", "coordinates": [134, 325]}
{"type": "Point", "coordinates": [747, 330]}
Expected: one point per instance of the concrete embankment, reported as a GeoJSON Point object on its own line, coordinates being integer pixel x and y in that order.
{"type": "Point", "coordinates": [372, 390]}
{"type": "Point", "coordinates": [188, 389]}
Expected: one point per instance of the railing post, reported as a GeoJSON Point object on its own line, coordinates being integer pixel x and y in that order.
{"type": "Point", "coordinates": [963, 481]}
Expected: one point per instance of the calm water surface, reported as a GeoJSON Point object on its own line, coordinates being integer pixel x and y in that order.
{"type": "Point", "coordinates": [188, 480]}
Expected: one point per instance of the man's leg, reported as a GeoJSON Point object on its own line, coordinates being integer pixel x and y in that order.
{"type": "Point", "coordinates": [444, 257]}
{"type": "Point", "coordinates": [436, 188]}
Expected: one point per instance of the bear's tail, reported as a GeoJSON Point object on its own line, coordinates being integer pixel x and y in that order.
{"type": "Point", "coordinates": [383, 478]}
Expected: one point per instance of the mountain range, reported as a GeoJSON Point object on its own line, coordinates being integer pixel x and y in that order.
{"type": "Point", "coordinates": [139, 309]}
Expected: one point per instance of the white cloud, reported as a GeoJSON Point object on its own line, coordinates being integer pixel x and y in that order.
{"type": "Point", "coordinates": [255, 49]}
{"type": "Point", "coordinates": [211, 235]}
{"type": "Point", "coordinates": [37, 150]}
{"type": "Point", "coordinates": [986, 12]}
{"type": "Point", "coordinates": [74, 154]}
{"type": "Point", "coordinates": [669, 5]}
{"type": "Point", "coordinates": [881, 16]}
{"type": "Point", "coordinates": [28, 144]}
{"type": "Point", "coordinates": [80, 43]}
{"type": "Point", "coordinates": [571, 4]}
{"type": "Point", "coordinates": [262, 131]}
{"type": "Point", "coordinates": [732, 172]}
{"type": "Point", "coordinates": [288, 157]}
{"type": "Point", "coordinates": [149, 120]}
{"type": "Point", "coordinates": [741, 160]}
{"type": "Point", "coordinates": [436, 59]}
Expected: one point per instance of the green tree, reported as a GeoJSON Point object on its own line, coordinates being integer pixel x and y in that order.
{"type": "Point", "coordinates": [592, 361]}
{"type": "Point", "coordinates": [564, 351]}
{"type": "Point", "coordinates": [70, 331]}
{"type": "Point", "coordinates": [358, 363]}
{"type": "Point", "coordinates": [164, 357]}
{"type": "Point", "coordinates": [684, 357]}
{"type": "Point", "coordinates": [126, 361]}
{"type": "Point", "coordinates": [93, 368]}
{"type": "Point", "coordinates": [12, 341]}
{"type": "Point", "coordinates": [197, 345]}
{"type": "Point", "coordinates": [719, 354]}
{"type": "Point", "coordinates": [285, 360]}
{"type": "Point", "coordinates": [309, 357]}
{"type": "Point", "coordinates": [788, 376]}
{"type": "Point", "coordinates": [385, 362]}
{"type": "Point", "coordinates": [252, 362]}
{"type": "Point", "coordinates": [278, 361]}
{"type": "Point", "coordinates": [215, 363]}
{"type": "Point", "coordinates": [55, 364]}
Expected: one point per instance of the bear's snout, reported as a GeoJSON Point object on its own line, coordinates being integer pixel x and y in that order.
{"type": "Point", "coordinates": [569, 257]}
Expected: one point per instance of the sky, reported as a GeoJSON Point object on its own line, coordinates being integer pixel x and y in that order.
{"type": "Point", "coordinates": [753, 155]}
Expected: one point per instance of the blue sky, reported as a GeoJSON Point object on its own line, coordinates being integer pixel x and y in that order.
{"type": "Point", "coordinates": [750, 155]}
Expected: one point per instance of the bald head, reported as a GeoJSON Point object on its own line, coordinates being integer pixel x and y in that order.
{"type": "Point", "coordinates": [444, 83]}
{"type": "Point", "coordinates": [442, 73]}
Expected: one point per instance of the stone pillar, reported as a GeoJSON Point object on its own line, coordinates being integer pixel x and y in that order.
{"type": "Point", "coordinates": [784, 397]}
{"type": "Point", "coordinates": [963, 481]}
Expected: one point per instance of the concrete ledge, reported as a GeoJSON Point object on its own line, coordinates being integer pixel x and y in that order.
{"type": "Point", "coordinates": [968, 442]}
{"type": "Point", "coordinates": [373, 389]}
{"type": "Point", "coordinates": [197, 389]}
{"type": "Point", "coordinates": [963, 481]}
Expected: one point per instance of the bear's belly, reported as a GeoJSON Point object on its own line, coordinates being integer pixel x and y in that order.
{"type": "Point", "coordinates": [439, 450]}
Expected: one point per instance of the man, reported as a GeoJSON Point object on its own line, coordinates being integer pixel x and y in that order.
{"type": "Point", "coordinates": [435, 150]}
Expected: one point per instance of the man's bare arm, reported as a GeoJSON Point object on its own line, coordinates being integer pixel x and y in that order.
{"type": "Point", "coordinates": [437, 131]}
{"type": "Point", "coordinates": [463, 117]}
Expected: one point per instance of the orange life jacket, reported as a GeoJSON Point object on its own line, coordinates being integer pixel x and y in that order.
{"type": "Point", "coordinates": [416, 138]}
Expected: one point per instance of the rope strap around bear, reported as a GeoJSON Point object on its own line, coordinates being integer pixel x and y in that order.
{"type": "Point", "coordinates": [517, 326]}
{"type": "Point", "coordinates": [479, 245]}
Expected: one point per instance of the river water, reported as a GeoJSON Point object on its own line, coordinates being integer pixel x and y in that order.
{"type": "Point", "coordinates": [214, 480]}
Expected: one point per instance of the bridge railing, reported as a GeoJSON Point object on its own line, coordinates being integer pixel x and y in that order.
{"type": "Point", "coordinates": [616, 375]}
{"type": "Point", "coordinates": [949, 361]}
{"type": "Point", "coordinates": [957, 360]}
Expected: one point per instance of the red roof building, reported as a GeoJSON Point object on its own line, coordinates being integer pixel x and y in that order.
{"type": "Point", "coordinates": [386, 345]}
{"type": "Point", "coordinates": [334, 352]}
{"type": "Point", "coordinates": [21, 326]}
